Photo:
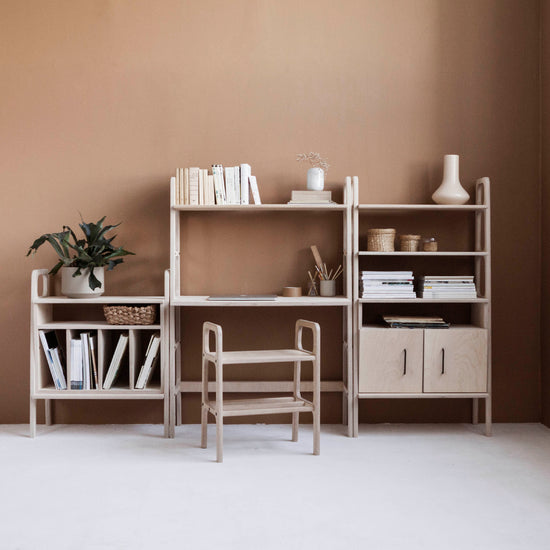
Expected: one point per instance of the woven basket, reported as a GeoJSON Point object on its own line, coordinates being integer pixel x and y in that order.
{"type": "Point", "coordinates": [130, 315]}
{"type": "Point", "coordinates": [380, 240]}
{"type": "Point", "coordinates": [409, 243]}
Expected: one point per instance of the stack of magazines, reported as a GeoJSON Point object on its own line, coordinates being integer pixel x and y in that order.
{"type": "Point", "coordinates": [447, 287]}
{"type": "Point", "coordinates": [416, 321]}
{"type": "Point", "coordinates": [387, 284]}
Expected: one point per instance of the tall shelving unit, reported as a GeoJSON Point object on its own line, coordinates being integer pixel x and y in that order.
{"type": "Point", "coordinates": [46, 311]}
{"type": "Point", "coordinates": [424, 363]}
{"type": "Point", "coordinates": [179, 302]}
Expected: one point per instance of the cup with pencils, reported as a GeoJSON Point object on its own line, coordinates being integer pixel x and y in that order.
{"type": "Point", "coordinates": [327, 280]}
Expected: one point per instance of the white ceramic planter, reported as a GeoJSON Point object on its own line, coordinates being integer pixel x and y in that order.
{"type": "Point", "coordinates": [450, 191]}
{"type": "Point", "coordinates": [315, 179]}
{"type": "Point", "coordinates": [79, 287]}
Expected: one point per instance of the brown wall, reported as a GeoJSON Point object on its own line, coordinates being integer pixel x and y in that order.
{"type": "Point", "coordinates": [545, 127]}
{"type": "Point", "coordinates": [101, 100]}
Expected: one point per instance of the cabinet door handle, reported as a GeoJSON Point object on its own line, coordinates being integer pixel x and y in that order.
{"type": "Point", "coordinates": [442, 360]}
{"type": "Point", "coordinates": [404, 362]}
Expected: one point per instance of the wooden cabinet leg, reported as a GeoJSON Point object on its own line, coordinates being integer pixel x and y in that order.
{"type": "Point", "coordinates": [488, 417]}
{"type": "Point", "coordinates": [475, 410]}
{"type": "Point", "coordinates": [48, 411]}
{"type": "Point", "coordinates": [32, 418]}
{"type": "Point", "coordinates": [295, 423]}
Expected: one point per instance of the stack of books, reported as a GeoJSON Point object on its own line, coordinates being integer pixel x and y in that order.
{"type": "Point", "coordinates": [311, 197]}
{"type": "Point", "coordinates": [416, 321]}
{"type": "Point", "coordinates": [54, 357]}
{"type": "Point", "coordinates": [447, 287]}
{"type": "Point", "coordinates": [387, 284]}
{"type": "Point", "coordinates": [229, 185]}
{"type": "Point", "coordinates": [83, 362]}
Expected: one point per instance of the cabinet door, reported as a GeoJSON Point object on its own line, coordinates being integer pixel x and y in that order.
{"type": "Point", "coordinates": [455, 360]}
{"type": "Point", "coordinates": [390, 360]}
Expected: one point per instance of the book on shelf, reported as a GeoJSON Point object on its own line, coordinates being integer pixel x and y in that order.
{"type": "Point", "coordinates": [254, 189]}
{"type": "Point", "coordinates": [311, 197]}
{"type": "Point", "coordinates": [447, 287]}
{"type": "Point", "coordinates": [149, 363]}
{"type": "Point", "coordinates": [415, 321]}
{"type": "Point", "coordinates": [116, 360]}
{"type": "Point", "coordinates": [230, 185]}
{"type": "Point", "coordinates": [54, 358]}
{"type": "Point", "coordinates": [77, 373]}
{"type": "Point", "coordinates": [387, 284]}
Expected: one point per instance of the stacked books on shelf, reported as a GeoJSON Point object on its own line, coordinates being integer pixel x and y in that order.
{"type": "Point", "coordinates": [447, 287]}
{"type": "Point", "coordinates": [229, 185]}
{"type": "Point", "coordinates": [415, 321]}
{"type": "Point", "coordinates": [83, 362]}
{"type": "Point", "coordinates": [311, 197]}
{"type": "Point", "coordinates": [387, 284]}
{"type": "Point", "coordinates": [54, 357]}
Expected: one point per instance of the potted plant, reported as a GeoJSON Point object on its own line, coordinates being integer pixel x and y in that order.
{"type": "Point", "coordinates": [83, 260]}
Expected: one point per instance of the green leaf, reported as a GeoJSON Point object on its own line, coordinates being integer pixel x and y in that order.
{"type": "Point", "coordinates": [56, 267]}
{"type": "Point", "coordinates": [93, 281]}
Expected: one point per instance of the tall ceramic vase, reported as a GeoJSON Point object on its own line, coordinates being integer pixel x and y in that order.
{"type": "Point", "coordinates": [315, 179]}
{"type": "Point", "coordinates": [450, 191]}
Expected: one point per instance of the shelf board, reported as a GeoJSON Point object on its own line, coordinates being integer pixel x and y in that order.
{"type": "Point", "coordinates": [261, 405]}
{"type": "Point", "coordinates": [421, 395]}
{"type": "Point", "coordinates": [93, 325]}
{"type": "Point", "coordinates": [260, 386]}
{"type": "Point", "coordinates": [116, 393]}
{"type": "Point", "coordinates": [100, 300]}
{"type": "Point", "coordinates": [280, 301]}
{"type": "Point", "coordinates": [423, 301]}
{"type": "Point", "coordinates": [421, 207]}
{"type": "Point", "coordinates": [256, 207]}
{"type": "Point", "coordinates": [422, 253]}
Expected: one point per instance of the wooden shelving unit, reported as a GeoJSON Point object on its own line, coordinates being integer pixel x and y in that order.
{"type": "Point", "coordinates": [44, 308]}
{"type": "Point", "coordinates": [389, 361]}
{"type": "Point", "coordinates": [179, 302]}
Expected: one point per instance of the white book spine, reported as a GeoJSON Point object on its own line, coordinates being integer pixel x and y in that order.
{"type": "Point", "coordinates": [255, 190]}
{"type": "Point", "coordinates": [245, 174]}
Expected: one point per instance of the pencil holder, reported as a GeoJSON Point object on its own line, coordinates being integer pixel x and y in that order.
{"type": "Point", "coordinates": [328, 288]}
{"type": "Point", "coordinates": [312, 289]}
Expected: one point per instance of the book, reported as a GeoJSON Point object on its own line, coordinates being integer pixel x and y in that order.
{"type": "Point", "coordinates": [150, 361]}
{"type": "Point", "coordinates": [93, 347]}
{"type": "Point", "coordinates": [51, 348]}
{"type": "Point", "coordinates": [230, 185]}
{"type": "Point", "coordinates": [210, 190]}
{"type": "Point", "coordinates": [254, 190]}
{"type": "Point", "coordinates": [116, 360]}
{"type": "Point", "coordinates": [246, 172]}
{"type": "Point", "coordinates": [186, 186]}
{"type": "Point", "coordinates": [219, 185]}
{"type": "Point", "coordinates": [194, 185]}
{"type": "Point", "coordinates": [201, 186]}
{"type": "Point", "coordinates": [86, 362]}
{"type": "Point", "coordinates": [311, 197]}
{"type": "Point", "coordinates": [77, 380]}
{"type": "Point", "coordinates": [417, 321]}
{"type": "Point", "coordinates": [237, 183]}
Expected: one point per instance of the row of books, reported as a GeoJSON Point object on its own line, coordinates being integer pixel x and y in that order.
{"type": "Point", "coordinates": [400, 284]}
{"type": "Point", "coordinates": [449, 286]}
{"type": "Point", "coordinates": [229, 185]}
{"type": "Point", "coordinates": [84, 371]}
{"type": "Point", "coordinates": [387, 284]}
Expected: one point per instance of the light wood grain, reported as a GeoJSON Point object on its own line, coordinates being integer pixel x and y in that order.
{"type": "Point", "coordinates": [455, 361]}
{"type": "Point", "coordinates": [390, 360]}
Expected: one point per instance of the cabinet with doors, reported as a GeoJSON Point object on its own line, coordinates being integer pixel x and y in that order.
{"type": "Point", "coordinates": [426, 362]}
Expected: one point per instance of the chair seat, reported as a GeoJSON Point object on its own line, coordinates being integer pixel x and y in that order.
{"type": "Point", "coordinates": [263, 356]}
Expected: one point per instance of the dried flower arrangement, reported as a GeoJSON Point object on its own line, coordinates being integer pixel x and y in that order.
{"type": "Point", "coordinates": [315, 160]}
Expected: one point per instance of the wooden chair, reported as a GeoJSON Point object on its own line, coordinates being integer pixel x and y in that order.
{"type": "Point", "coordinates": [294, 404]}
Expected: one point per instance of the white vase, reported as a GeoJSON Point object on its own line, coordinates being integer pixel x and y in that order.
{"type": "Point", "coordinates": [450, 191]}
{"type": "Point", "coordinates": [315, 179]}
{"type": "Point", "coordinates": [79, 287]}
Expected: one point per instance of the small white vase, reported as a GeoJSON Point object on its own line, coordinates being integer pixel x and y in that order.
{"type": "Point", "coordinates": [315, 179]}
{"type": "Point", "coordinates": [79, 287]}
{"type": "Point", "coordinates": [450, 191]}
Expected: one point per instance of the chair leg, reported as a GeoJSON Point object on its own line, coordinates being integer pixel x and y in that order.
{"type": "Point", "coordinates": [295, 424]}
{"type": "Point", "coordinates": [204, 427]}
{"type": "Point", "coordinates": [488, 418]}
{"type": "Point", "coordinates": [317, 407]}
{"type": "Point", "coordinates": [48, 412]}
{"type": "Point", "coordinates": [32, 417]}
{"type": "Point", "coordinates": [219, 437]}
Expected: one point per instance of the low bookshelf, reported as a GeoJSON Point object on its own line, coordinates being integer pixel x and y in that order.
{"type": "Point", "coordinates": [61, 319]}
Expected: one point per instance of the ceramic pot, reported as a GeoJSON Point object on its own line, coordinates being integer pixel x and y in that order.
{"type": "Point", "coordinates": [79, 287]}
{"type": "Point", "coordinates": [450, 191]}
{"type": "Point", "coordinates": [315, 179]}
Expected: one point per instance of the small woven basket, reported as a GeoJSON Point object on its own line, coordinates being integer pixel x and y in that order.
{"type": "Point", "coordinates": [409, 243]}
{"type": "Point", "coordinates": [130, 315]}
{"type": "Point", "coordinates": [380, 240]}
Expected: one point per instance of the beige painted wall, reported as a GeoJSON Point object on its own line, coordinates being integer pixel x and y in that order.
{"type": "Point", "coordinates": [101, 100]}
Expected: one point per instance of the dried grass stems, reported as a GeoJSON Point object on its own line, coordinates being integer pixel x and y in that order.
{"type": "Point", "coordinates": [315, 160]}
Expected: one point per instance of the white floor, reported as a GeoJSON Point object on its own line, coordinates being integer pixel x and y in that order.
{"type": "Point", "coordinates": [396, 486]}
